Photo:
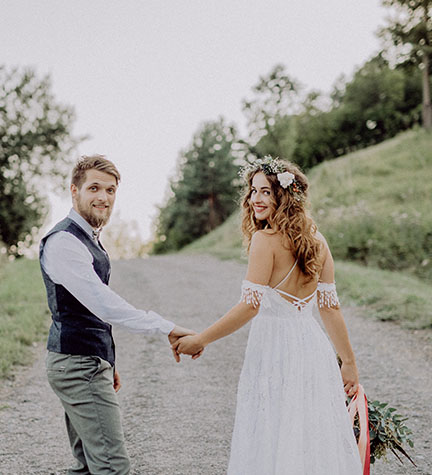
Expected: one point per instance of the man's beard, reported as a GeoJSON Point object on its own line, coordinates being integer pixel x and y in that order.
{"type": "Point", "coordinates": [94, 220]}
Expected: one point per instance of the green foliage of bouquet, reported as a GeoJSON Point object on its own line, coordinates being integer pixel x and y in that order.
{"type": "Point", "coordinates": [387, 431]}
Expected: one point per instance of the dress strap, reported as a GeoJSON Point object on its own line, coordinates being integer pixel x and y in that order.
{"type": "Point", "coordinates": [296, 301]}
{"type": "Point", "coordinates": [286, 277]}
{"type": "Point", "coordinates": [295, 297]}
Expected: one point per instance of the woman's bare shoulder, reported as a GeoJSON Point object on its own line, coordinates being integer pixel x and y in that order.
{"type": "Point", "coordinates": [325, 250]}
{"type": "Point", "coordinates": [266, 232]}
{"type": "Point", "coordinates": [263, 234]}
{"type": "Point", "coordinates": [321, 238]}
{"type": "Point", "coordinates": [265, 237]}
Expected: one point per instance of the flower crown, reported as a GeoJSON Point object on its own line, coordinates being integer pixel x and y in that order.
{"type": "Point", "coordinates": [273, 166]}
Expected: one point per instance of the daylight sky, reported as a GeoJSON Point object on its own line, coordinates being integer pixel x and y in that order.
{"type": "Point", "coordinates": [143, 74]}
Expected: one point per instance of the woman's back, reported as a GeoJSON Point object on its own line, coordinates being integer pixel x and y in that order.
{"type": "Point", "coordinates": [298, 284]}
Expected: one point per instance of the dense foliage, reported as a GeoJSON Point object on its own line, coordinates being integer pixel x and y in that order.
{"type": "Point", "coordinates": [204, 192]}
{"type": "Point", "coordinates": [376, 104]}
{"type": "Point", "coordinates": [35, 147]}
{"type": "Point", "coordinates": [409, 29]}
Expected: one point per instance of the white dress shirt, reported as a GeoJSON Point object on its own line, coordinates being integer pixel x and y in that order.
{"type": "Point", "coordinates": [68, 262]}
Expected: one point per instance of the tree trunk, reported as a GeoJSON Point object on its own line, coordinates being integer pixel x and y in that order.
{"type": "Point", "coordinates": [427, 108]}
{"type": "Point", "coordinates": [212, 220]}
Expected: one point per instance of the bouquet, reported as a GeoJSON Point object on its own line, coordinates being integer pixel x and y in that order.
{"type": "Point", "coordinates": [387, 431]}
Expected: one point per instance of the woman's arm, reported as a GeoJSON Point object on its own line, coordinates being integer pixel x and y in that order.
{"type": "Point", "coordinates": [259, 271]}
{"type": "Point", "coordinates": [238, 316]}
{"type": "Point", "coordinates": [334, 323]}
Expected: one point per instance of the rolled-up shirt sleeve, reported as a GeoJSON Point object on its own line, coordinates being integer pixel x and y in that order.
{"type": "Point", "coordinates": [68, 262]}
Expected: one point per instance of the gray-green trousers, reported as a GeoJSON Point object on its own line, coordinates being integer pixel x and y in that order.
{"type": "Point", "coordinates": [84, 385]}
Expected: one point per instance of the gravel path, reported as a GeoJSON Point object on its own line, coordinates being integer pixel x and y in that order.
{"type": "Point", "coordinates": [178, 417]}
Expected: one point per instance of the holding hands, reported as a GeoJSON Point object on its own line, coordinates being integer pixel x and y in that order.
{"type": "Point", "coordinates": [185, 341]}
{"type": "Point", "coordinates": [189, 345]}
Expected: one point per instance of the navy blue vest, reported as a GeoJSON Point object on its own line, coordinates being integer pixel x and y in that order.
{"type": "Point", "coordinates": [75, 330]}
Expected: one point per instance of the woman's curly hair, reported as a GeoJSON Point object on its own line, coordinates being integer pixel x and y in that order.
{"type": "Point", "coordinates": [290, 219]}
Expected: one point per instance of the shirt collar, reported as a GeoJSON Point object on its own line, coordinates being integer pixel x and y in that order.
{"type": "Point", "coordinates": [74, 216]}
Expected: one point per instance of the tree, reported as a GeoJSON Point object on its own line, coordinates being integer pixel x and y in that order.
{"type": "Point", "coordinates": [35, 150]}
{"type": "Point", "coordinates": [376, 104]}
{"type": "Point", "coordinates": [372, 102]}
{"type": "Point", "coordinates": [204, 192]}
{"type": "Point", "coordinates": [270, 114]}
{"type": "Point", "coordinates": [411, 31]}
{"type": "Point", "coordinates": [317, 138]}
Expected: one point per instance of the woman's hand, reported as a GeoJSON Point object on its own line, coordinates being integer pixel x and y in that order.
{"type": "Point", "coordinates": [174, 336]}
{"type": "Point", "coordinates": [189, 345]}
{"type": "Point", "coordinates": [350, 378]}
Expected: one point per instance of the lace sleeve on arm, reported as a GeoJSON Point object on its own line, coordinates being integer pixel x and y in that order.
{"type": "Point", "coordinates": [253, 294]}
{"type": "Point", "coordinates": [327, 295]}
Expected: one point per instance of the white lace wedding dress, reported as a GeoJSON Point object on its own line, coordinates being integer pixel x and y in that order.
{"type": "Point", "coordinates": [291, 417]}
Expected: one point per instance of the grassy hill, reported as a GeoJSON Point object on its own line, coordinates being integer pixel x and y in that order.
{"type": "Point", "coordinates": [374, 207]}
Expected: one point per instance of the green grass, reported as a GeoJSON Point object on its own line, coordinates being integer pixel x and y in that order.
{"type": "Point", "coordinates": [374, 207]}
{"type": "Point", "coordinates": [24, 316]}
{"type": "Point", "coordinates": [386, 295]}
{"type": "Point", "coordinates": [225, 242]}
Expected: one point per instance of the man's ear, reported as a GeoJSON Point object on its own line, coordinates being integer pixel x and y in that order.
{"type": "Point", "coordinates": [74, 190]}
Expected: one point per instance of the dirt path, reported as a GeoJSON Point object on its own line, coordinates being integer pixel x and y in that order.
{"type": "Point", "coordinates": [178, 418]}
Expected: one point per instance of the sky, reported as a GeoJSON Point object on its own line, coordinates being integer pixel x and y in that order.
{"type": "Point", "coordinates": [142, 75]}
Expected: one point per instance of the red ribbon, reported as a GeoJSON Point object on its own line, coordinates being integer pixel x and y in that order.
{"type": "Point", "coordinates": [358, 404]}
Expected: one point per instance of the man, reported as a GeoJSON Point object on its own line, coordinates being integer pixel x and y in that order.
{"type": "Point", "coordinates": [81, 356]}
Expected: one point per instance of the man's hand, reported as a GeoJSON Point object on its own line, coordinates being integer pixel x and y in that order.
{"type": "Point", "coordinates": [189, 345]}
{"type": "Point", "coordinates": [175, 334]}
{"type": "Point", "coordinates": [117, 384]}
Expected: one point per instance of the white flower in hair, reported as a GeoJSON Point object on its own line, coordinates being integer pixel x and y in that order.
{"type": "Point", "coordinates": [285, 179]}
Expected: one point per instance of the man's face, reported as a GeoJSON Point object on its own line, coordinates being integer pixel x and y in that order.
{"type": "Point", "coordinates": [94, 200]}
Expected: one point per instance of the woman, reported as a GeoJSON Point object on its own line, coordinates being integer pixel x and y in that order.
{"type": "Point", "coordinates": [291, 416]}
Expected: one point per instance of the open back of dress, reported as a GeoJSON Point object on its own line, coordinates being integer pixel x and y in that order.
{"type": "Point", "coordinates": [298, 302]}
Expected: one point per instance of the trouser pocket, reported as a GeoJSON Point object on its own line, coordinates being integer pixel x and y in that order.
{"type": "Point", "coordinates": [89, 367]}
{"type": "Point", "coordinates": [65, 372]}
{"type": "Point", "coordinates": [56, 362]}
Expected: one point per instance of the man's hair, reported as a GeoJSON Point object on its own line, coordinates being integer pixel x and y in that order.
{"type": "Point", "coordinates": [93, 162]}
